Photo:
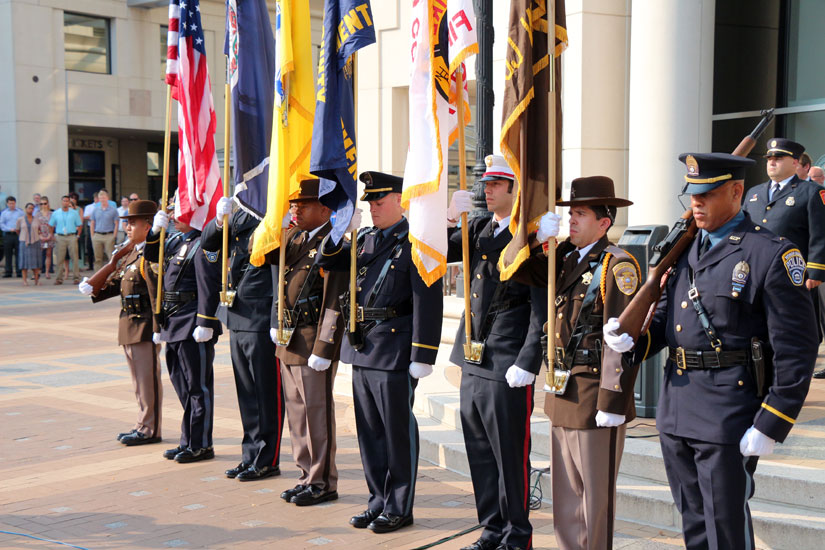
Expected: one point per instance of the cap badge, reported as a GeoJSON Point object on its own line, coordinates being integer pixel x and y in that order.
{"type": "Point", "coordinates": [488, 160]}
{"type": "Point", "coordinates": [692, 165]}
{"type": "Point", "coordinates": [773, 143]}
{"type": "Point", "coordinates": [739, 278]}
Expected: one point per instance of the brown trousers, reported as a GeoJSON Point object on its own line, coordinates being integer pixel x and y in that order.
{"type": "Point", "coordinates": [310, 412]}
{"type": "Point", "coordinates": [585, 464]}
{"type": "Point", "coordinates": [144, 365]}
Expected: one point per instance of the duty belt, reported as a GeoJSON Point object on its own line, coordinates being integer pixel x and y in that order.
{"type": "Point", "coordinates": [383, 313]}
{"type": "Point", "coordinates": [701, 359]}
{"type": "Point", "coordinates": [581, 357]}
{"type": "Point", "coordinates": [179, 297]}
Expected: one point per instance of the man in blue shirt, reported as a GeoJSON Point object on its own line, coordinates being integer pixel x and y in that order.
{"type": "Point", "coordinates": [103, 223]}
{"type": "Point", "coordinates": [67, 226]}
{"type": "Point", "coordinates": [8, 224]}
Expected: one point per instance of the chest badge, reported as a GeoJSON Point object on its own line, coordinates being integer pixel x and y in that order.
{"type": "Point", "coordinates": [627, 281]}
{"type": "Point", "coordinates": [587, 278]}
{"type": "Point", "coordinates": [790, 201]}
{"type": "Point", "coordinates": [754, 198]}
{"type": "Point", "coordinates": [795, 266]}
{"type": "Point", "coordinates": [312, 253]}
{"type": "Point", "coordinates": [739, 278]}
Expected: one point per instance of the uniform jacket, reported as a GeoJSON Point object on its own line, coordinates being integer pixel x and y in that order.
{"type": "Point", "coordinates": [324, 337]}
{"type": "Point", "coordinates": [136, 275]}
{"type": "Point", "coordinates": [251, 309]}
{"type": "Point", "coordinates": [514, 337]}
{"type": "Point", "coordinates": [394, 343]}
{"type": "Point", "coordinates": [797, 212]}
{"type": "Point", "coordinates": [201, 275]}
{"type": "Point", "coordinates": [719, 405]}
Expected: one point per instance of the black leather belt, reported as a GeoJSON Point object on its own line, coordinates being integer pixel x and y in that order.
{"type": "Point", "coordinates": [582, 356]}
{"type": "Point", "coordinates": [103, 232]}
{"type": "Point", "coordinates": [383, 313]}
{"type": "Point", "coordinates": [179, 297]}
{"type": "Point", "coordinates": [700, 359]}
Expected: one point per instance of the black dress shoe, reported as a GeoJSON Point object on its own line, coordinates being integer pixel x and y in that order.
{"type": "Point", "coordinates": [124, 434]}
{"type": "Point", "coordinates": [482, 544]}
{"type": "Point", "coordinates": [253, 473]}
{"type": "Point", "coordinates": [233, 473]}
{"type": "Point", "coordinates": [169, 454]}
{"type": "Point", "coordinates": [313, 495]}
{"type": "Point", "coordinates": [362, 520]}
{"type": "Point", "coordinates": [138, 438]}
{"type": "Point", "coordinates": [819, 373]}
{"type": "Point", "coordinates": [289, 493]}
{"type": "Point", "coordinates": [386, 523]}
{"type": "Point", "coordinates": [195, 455]}
{"type": "Point", "coordinates": [508, 547]}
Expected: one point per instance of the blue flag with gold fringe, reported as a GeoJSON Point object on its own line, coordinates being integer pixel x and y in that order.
{"type": "Point", "coordinates": [348, 27]}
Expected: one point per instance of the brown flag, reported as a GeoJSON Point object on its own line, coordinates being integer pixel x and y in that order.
{"type": "Point", "coordinates": [524, 131]}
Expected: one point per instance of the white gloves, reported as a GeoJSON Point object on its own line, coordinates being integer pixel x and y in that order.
{"type": "Point", "coordinates": [202, 334]}
{"type": "Point", "coordinates": [619, 343]}
{"type": "Point", "coordinates": [85, 288]}
{"type": "Point", "coordinates": [461, 202]}
{"type": "Point", "coordinates": [609, 420]}
{"type": "Point", "coordinates": [318, 363]}
{"type": "Point", "coordinates": [223, 208]}
{"type": "Point", "coordinates": [420, 370]}
{"type": "Point", "coordinates": [286, 221]}
{"type": "Point", "coordinates": [273, 335]}
{"type": "Point", "coordinates": [355, 222]}
{"type": "Point", "coordinates": [156, 338]}
{"type": "Point", "coordinates": [161, 220]}
{"type": "Point", "coordinates": [548, 227]}
{"type": "Point", "coordinates": [517, 377]}
{"type": "Point", "coordinates": [755, 443]}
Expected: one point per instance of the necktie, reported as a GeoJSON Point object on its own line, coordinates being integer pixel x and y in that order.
{"type": "Point", "coordinates": [704, 246]}
{"type": "Point", "coordinates": [570, 263]}
{"type": "Point", "coordinates": [379, 238]}
{"type": "Point", "coordinates": [774, 189]}
{"type": "Point", "coordinates": [493, 228]}
{"type": "Point", "coordinates": [300, 238]}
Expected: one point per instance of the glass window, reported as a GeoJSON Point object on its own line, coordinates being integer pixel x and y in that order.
{"type": "Point", "coordinates": [806, 42]}
{"type": "Point", "coordinates": [164, 32]}
{"type": "Point", "coordinates": [86, 43]}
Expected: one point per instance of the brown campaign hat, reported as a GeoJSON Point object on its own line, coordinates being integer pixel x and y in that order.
{"type": "Point", "coordinates": [592, 191]}
{"type": "Point", "coordinates": [141, 209]}
{"type": "Point", "coordinates": [308, 190]}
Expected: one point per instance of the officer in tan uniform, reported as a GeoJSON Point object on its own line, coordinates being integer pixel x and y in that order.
{"type": "Point", "coordinates": [309, 348]}
{"type": "Point", "coordinates": [138, 331]}
{"type": "Point", "coordinates": [592, 397]}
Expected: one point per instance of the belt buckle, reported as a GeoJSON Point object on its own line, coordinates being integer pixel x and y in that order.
{"type": "Point", "coordinates": [474, 352]}
{"type": "Point", "coordinates": [693, 293]}
{"type": "Point", "coordinates": [359, 314]}
{"type": "Point", "coordinates": [681, 361]}
{"type": "Point", "coordinates": [559, 300]}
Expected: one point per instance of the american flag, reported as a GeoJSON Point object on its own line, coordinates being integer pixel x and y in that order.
{"type": "Point", "coordinates": [199, 180]}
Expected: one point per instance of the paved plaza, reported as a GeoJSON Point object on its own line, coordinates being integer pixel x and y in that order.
{"type": "Point", "coordinates": [65, 393]}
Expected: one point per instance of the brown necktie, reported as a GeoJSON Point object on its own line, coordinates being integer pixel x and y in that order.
{"type": "Point", "coordinates": [569, 264]}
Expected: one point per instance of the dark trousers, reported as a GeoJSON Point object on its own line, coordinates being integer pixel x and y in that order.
{"type": "Point", "coordinates": [11, 249]}
{"type": "Point", "coordinates": [711, 485]}
{"type": "Point", "coordinates": [495, 419]}
{"type": "Point", "coordinates": [387, 436]}
{"type": "Point", "coordinates": [260, 397]}
{"type": "Point", "coordinates": [816, 297]}
{"type": "Point", "coordinates": [87, 246]}
{"type": "Point", "coordinates": [190, 369]}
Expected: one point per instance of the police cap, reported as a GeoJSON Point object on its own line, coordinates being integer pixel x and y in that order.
{"type": "Point", "coordinates": [781, 147]}
{"type": "Point", "coordinates": [707, 171]}
{"type": "Point", "coordinates": [378, 185]}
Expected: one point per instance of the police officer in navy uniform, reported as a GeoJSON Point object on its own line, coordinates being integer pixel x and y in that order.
{"type": "Point", "coordinates": [190, 328]}
{"type": "Point", "coordinates": [399, 330]}
{"type": "Point", "coordinates": [497, 383]}
{"type": "Point", "coordinates": [736, 318]}
{"type": "Point", "coordinates": [257, 375]}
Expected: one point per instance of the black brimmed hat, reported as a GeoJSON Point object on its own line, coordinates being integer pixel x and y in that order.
{"type": "Point", "coordinates": [781, 147]}
{"type": "Point", "coordinates": [378, 185]}
{"type": "Point", "coordinates": [308, 190]}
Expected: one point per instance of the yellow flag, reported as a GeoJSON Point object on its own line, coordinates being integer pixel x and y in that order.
{"type": "Point", "coordinates": [291, 121]}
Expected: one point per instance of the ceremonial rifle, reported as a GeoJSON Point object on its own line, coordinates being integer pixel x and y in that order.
{"type": "Point", "coordinates": [636, 317]}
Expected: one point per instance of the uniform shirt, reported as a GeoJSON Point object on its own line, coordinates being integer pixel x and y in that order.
{"type": "Point", "coordinates": [105, 219]}
{"type": "Point", "coordinates": [8, 218]}
{"type": "Point", "coordinates": [65, 222]}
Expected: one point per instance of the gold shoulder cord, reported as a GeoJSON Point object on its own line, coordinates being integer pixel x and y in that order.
{"type": "Point", "coordinates": [143, 268]}
{"type": "Point", "coordinates": [604, 274]}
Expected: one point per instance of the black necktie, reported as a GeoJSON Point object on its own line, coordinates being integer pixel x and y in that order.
{"type": "Point", "coordinates": [704, 246]}
{"type": "Point", "coordinates": [493, 228]}
{"type": "Point", "coordinates": [570, 263]}
{"type": "Point", "coordinates": [379, 238]}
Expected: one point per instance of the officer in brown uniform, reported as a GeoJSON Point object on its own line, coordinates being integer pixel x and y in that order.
{"type": "Point", "coordinates": [309, 347]}
{"type": "Point", "coordinates": [136, 284]}
{"type": "Point", "coordinates": [591, 399]}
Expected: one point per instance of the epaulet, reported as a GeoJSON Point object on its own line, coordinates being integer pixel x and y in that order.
{"type": "Point", "coordinates": [620, 254]}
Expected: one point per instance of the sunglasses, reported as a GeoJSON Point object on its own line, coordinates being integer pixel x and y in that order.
{"type": "Point", "coordinates": [43, 203]}
{"type": "Point", "coordinates": [132, 200]}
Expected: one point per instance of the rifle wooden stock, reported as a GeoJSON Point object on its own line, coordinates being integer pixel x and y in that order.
{"type": "Point", "coordinates": [99, 279]}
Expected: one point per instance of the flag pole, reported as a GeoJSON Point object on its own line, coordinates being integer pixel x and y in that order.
{"type": "Point", "coordinates": [462, 185]}
{"type": "Point", "coordinates": [353, 249]}
{"type": "Point", "coordinates": [281, 281]}
{"type": "Point", "coordinates": [551, 181]}
{"type": "Point", "coordinates": [226, 144]}
{"type": "Point", "coordinates": [167, 138]}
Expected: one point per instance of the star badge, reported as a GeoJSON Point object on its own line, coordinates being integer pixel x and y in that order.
{"type": "Point", "coordinates": [312, 253]}
{"type": "Point", "coordinates": [587, 278]}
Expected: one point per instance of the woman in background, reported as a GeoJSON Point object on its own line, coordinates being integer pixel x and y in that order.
{"type": "Point", "coordinates": [28, 231]}
{"type": "Point", "coordinates": [47, 240]}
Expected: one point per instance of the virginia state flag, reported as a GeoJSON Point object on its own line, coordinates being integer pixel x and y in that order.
{"type": "Point", "coordinates": [291, 122]}
{"type": "Point", "coordinates": [348, 27]}
{"type": "Point", "coordinates": [443, 36]}
{"type": "Point", "coordinates": [250, 47]}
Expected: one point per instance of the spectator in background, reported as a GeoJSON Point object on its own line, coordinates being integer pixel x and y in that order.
{"type": "Point", "coordinates": [87, 246]}
{"type": "Point", "coordinates": [122, 210]}
{"type": "Point", "coordinates": [817, 175]}
{"type": "Point", "coordinates": [8, 224]}
{"type": "Point", "coordinates": [804, 166]}
{"type": "Point", "coordinates": [36, 201]}
{"type": "Point", "coordinates": [46, 235]}
{"type": "Point", "coordinates": [74, 199]}
{"type": "Point", "coordinates": [67, 227]}
{"type": "Point", "coordinates": [103, 224]}
{"type": "Point", "coordinates": [28, 232]}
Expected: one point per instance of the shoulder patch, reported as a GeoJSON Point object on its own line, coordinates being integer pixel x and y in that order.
{"type": "Point", "coordinates": [627, 280]}
{"type": "Point", "coordinates": [822, 195]}
{"type": "Point", "coordinates": [211, 257]}
{"type": "Point", "coordinates": [795, 266]}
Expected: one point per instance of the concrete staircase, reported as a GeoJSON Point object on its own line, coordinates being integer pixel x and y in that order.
{"type": "Point", "coordinates": [788, 508]}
